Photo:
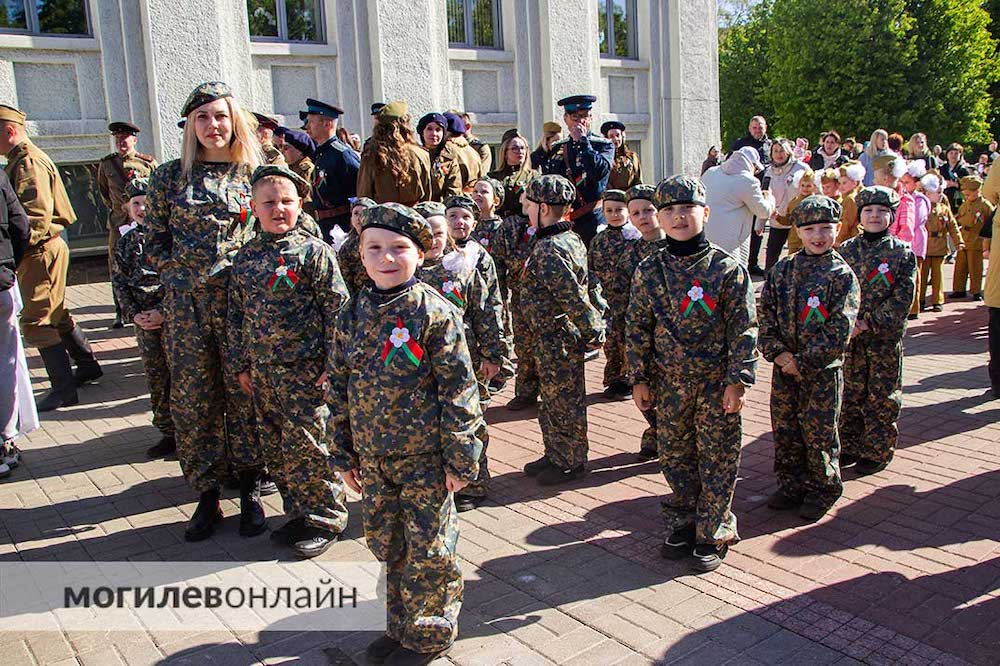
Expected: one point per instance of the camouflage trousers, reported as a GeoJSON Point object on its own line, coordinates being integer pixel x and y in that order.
{"type": "Point", "coordinates": [526, 375]}
{"type": "Point", "coordinates": [562, 413]}
{"type": "Point", "coordinates": [213, 419]}
{"type": "Point", "coordinates": [804, 416]}
{"type": "Point", "coordinates": [614, 350]}
{"type": "Point", "coordinates": [411, 524]}
{"type": "Point", "coordinates": [480, 486]}
{"type": "Point", "coordinates": [650, 437]}
{"type": "Point", "coordinates": [699, 450]}
{"type": "Point", "coordinates": [154, 360]}
{"type": "Point", "coordinates": [873, 395]}
{"type": "Point", "coordinates": [291, 424]}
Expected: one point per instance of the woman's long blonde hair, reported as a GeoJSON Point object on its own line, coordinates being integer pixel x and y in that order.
{"type": "Point", "coordinates": [244, 147]}
{"type": "Point", "coordinates": [525, 169]}
{"type": "Point", "coordinates": [872, 148]}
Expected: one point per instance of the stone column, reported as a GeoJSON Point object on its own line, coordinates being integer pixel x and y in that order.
{"type": "Point", "coordinates": [569, 55]}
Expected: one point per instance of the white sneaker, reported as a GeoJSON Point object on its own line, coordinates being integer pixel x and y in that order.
{"type": "Point", "coordinates": [4, 470]}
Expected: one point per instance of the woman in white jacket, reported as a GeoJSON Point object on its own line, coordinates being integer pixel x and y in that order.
{"type": "Point", "coordinates": [734, 197]}
{"type": "Point", "coordinates": [781, 171]}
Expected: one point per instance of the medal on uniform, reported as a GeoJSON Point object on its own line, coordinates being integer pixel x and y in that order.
{"type": "Point", "coordinates": [245, 215]}
{"type": "Point", "coordinates": [813, 308]}
{"type": "Point", "coordinates": [451, 291]}
{"type": "Point", "coordinates": [399, 338]}
{"type": "Point", "coordinates": [697, 296]}
{"type": "Point", "coordinates": [282, 275]}
{"type": "Point", "coordinates": [881, 272]}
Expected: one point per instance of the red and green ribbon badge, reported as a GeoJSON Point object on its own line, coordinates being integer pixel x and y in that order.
{"type": "Point", "coordinates": [399, 338]}
{"type": "Point", "coordinates": [451, 291]}
{"type": "Point", "coordinates": [579, 179]}
{"type": "Point", "coordinates": [438, 170]}
{"type": "Point", "coordinates": [245, 214]}
{"type": "Point", "coordinates": [881, 272]}
{"type": "Point", "coordinates": [282, 274]}
{"type": "Point", "coordinates": [529, 233]}
{"type": "Point", "coordinates": [812, 309]}
{"type": "Point", "coordinates": [697, 296]}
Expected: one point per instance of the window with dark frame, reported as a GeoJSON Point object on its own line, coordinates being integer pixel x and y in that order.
{"type": "Point", "coordinates": [616, 28]}
{"type": "Point", "coordinates": [45, 17]}
{"type": "Point", "coordinates": [286, 21]}
{"type": "Point", "coordinates": [474, 24]}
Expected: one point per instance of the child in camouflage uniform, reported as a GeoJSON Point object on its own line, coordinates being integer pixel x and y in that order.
{"type": "Point", "coordinates": [139, 294]}
{"type": "Point", "coordinates": [405, 413]}
{"type": "Point", "coordinates": [940, 227]}
{"type": "Point", "coordinates": [974, 213]}
{"type": "Point", "coordinates": [807, 311]}
{"type": "Point", "coordinates": [349, 253]}
{"type": "Point", "coordinates": [873, 369]}
{"type": "Point", "coordinates": [692, 347]}
{"type": "Point", "coordinates": [284, 296]}
{"type": "Point", "coordinates": [603, 261]}
{"type": "Point", "coordinates": [556, 300]}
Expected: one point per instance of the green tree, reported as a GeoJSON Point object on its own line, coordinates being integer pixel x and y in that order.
{"type": "Point", "coordinates": [742, 61]}
{"type": "Point", "coordinates": [992, 8]}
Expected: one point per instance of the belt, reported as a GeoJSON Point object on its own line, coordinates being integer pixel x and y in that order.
{"type": "Point", "coordinates": [937, 234]}
{"type": "Point", "coordinates": [41, 246]}
{"type": "Point", "coordinates": [333, 212]}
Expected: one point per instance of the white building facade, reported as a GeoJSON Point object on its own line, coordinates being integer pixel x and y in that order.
{"type": "Point", "coordinates": [76, 65]}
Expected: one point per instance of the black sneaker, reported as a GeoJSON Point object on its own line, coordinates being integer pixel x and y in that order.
{"type": "Point", "coordinates": [679, 544]}
{"type": "Point", "coordinates": [708, 557]}
{"type": "Point", "coordinates": [536, 466]}
{"type": "Point", "coordinates": [289, 533]}
{"type": "Point", "coordinates": [866, 467]}
{"type": "Point", "coordinates": [165, 447]}
{"type": "Point", "coordinates": [757, 271]}
{"type": "Point", "coordinates": [118, 323]}
{"type": "Point", "coordinates": [591, 355]}
{"type": "Point", "coordinates": [847, 460]}
{"type": "Point", "coordinates": [314, 541]}
{"type": "Point", "coordinates": [779, 501]}
{"type": "Point", "coordinates": [465, 503]}
{"type": "Point", "coordinates": [521, 402]}
{"type": "Point", "coordinates": [379, 649]}
{"type": "Point", "coordinates": [937, 307]}
{"type": "Point", "coordinates": [618, 391]}
{"type": "Point", "coordinates": [552, 475]}
{"type": "Point", "coordinates": [645, 455]}
{"type": "Point", "coordinates": [912, 317]}
{"type": "Point", "coordinates": [267, 485]}
{"type": "Point", "coordinates": [497, 385]}
{"type": "Point", "coordinates": [812, 511]}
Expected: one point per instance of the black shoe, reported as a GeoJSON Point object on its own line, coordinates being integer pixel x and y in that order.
{"type": "Point", "coordinates": [535, 467]}
{"type": "Point", "coordinates": [87, 367]}
{"type": "Point", "coordinates": [779, 501]}
{"type": "Point", "coordinates": [252, 518]}
{"type": "Point", "coordinates": [847, 460]}
{"type": "Point", "coordinates": [912, 317]}
{"type": "Point", "coordinates": [618, 391]}
{"type": "Point", "coordinates": [866, 467]}
{"type": "Point", "coordinates": [290, 532]}
{"type": "Point", "coordinates": [645, 455]}
{"type": "Point", "coordinates": [232, 480]}
{"type": "Point", "coordinates": [465, 503]}
{"type": "Point", "coordinates": [757, 271]}
{"type": "Point", "coordinates": [60, 372]}
{"type": "Point", "coordinates": [497, 385]}
{"type": "Point", "coordinates": [165, 447]}
{"type": "Point", "coordinates": [521, 402]}
{"type": "Point", "coordinates": [118, 322]}
{"type": "Point", "coordinates": [267, 484]}
{"type": "Point", "coordinates": [379, 649]}
{"type": "Point", "coordinates": [552, 475]}
{"type": "Point", "coordinates": [977, 297]}
{"type": "Point", "coordinates": [958, 294]}
{"type": "Point", "coordinates": [937, 307]}
{"type": "Point", "coordinates": [708, 557]}
{"type": "Point", "coordinates": [590, 356]}
{"type": "Point", "coordinates": [314, 541]}
{"type": "Point", "coordinates": [679, 544]}
{"type": "Point", "coordinates": [206, 515]}
{"type": "Point", "coordinates": [813, 511]}
{"type": "Point", "coordinates": [402, 656]}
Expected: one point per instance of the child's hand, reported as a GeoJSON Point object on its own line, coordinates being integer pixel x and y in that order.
{"type": "Point", "coordinates": [154, 319]}
{"type": "Point", "coordinates": [860, 326]}
{"type": "Point", "coordinates": [350, 477]}
{"type": "Point", "coordinates": [986, 255]}
{"type": "Point", "coordinates": [791, 368]}
{"type": "Point", "coordinates": [246, 385]}
{"type": "Point", "coordinates": [783, 358]}
{"type": "Point", "coordinates": [490, 370]}
{"type": "Point", "coordinates": [321, 382]}
{"type": "Point", "coordinates": [642, 397]}
{"type": "Point", "coordinates": [732, 399]}
{"type": "Point", "coordinates": [961, 247]}
{"type": "Point", "coordinates": [453, 484]}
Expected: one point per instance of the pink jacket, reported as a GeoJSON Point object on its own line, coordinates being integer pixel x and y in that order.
{"type": "Point", "coordinates": [902, 226]}
{"type": "Point", "coordinates": [922, 208]}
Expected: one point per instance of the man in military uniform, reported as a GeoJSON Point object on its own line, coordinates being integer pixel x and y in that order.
{"type": "Point", "coordinates": [335, 178]}
{"type": "Point", "coordinates": [973, 214]}
{"type": "Point", "coordinates": [266, 127]}
{"type": "Point", "coordinates": [45, 321]}
{"type": "Point", "coordinates": [564, 324]}
{"type": "Point", "coordinates": [584, 158]}
{"type": "Point", "coordinates": [114, 172]}
{"type": "Point", "coordinates": [625, 169]}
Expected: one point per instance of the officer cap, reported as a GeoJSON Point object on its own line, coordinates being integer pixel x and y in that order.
{"type": "Point", "coordinates": [462, 201]}
{"type": "Point", "coordinates": [122, 127]}
{"type": "Point", "coordinates": [393, 110]}
{"type": "Point", "coordinates": [403, 220]}
{"type": "Point", "coordinates": [613, 195]}
{"type": "Point", "coordinates": [299, 140]}
{"type": "Point", "coordinates": [970, 182]}
{"type": "Point", "coordinates": [11, 115]}
{"type": "Point", "coordinates": [610, 125]}
{"type": "Point", "coordinates": [430, 208]}
{"type": "Point", "coordinates": [816, 209]}
{"type": "Point", "coordinates": [575, 103]}
{"type": "Point", "coordinates": [876, 195]}
{"type": "Point", "coordinates": [364, 202]}
{"type": "Point", "coordinates": [552, 190]}
{"type": "Point", "coordinates": [429, 118]}
{"type": "Point", "coordinates": [456, 125]}
{"type": "Point", "coordinates": [265, 121]}
{"type": "Point", "coordinates": [136, 187]}
{"type": "Point", "coordinates": [376, 107]}
{"type": "Point", "coordinates": [550, 127]}
{"type": "Point", "coordinates": [282, 171]}
{"type": "Point", "coordinates": [205, 93]}
{"type": "Point", "coordinates": [322, 109]}
{"type": "Point", "coordinates": [679, 189]}
{"type": "Point", "coordinates": [641, 191]}
{"type": "Point", "coordinates": [498, 188]}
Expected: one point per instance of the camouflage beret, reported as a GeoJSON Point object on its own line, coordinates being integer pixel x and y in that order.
{"type": "Point", "coordinates": [551, 190]}
{"type": "Point", "coordinates": [613, 195]}
{"type": "Point", "coordinates": [430, 208]}
{"type": "Point", "coordinates": [362, 201]}
{"type": "Point", "coordinates": [679, 190]}
{"type": "Point", "coordinates": [280, 170]}
{"type": "Point", "coordinates": [498, 188]}
{"type": "Point", "coordinates": [970, 182]}
{"type": "Point", "coordinates": [137, 187]}
{"type": "Point", "coordinates": [641, 191]}
{"type": "Point", "coordinates": [401, 219]}
{"type": "Point", "coordinates": [877, 195]}
{"type": "Point", "coordinates": [816, 209]}
{"type": "Point", "coordinates": [462, 201]}
{"type": "Point", "coordinates": [205, 93]}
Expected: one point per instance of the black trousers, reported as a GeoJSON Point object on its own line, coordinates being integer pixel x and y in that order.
{"type": "Point", "coordinates": [775, 244]}
{"type": "Point", "coordinates": [755, 241]}
{"type": "Point", "coordinates": [994, 338]}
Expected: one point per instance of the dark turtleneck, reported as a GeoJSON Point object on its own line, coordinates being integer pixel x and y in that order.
{"type": "Point", "coordinates": [872, 236]}
{"type": "Point", "coordinates": [395, 290]}
{"type": "Point", "coordinates": [553, 229]}
{"type": "Point", "coordinates": [687, 247]}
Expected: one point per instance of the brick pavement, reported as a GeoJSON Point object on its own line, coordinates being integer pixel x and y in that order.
{"type": "Point", "coordinates": [904, 570]}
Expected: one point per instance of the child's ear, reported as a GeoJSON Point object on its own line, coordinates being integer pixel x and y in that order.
{"type": "Point", "coordinates": [253, 206]}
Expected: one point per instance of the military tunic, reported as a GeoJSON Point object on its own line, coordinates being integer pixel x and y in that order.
{"type": "Point", "coordinates": [972, 215]}
{"type": "Point", "coordinates": [349, 257]}
{"type": "Point", "coordinates": [886, 269]}
{"type": "Point", "coordinates": [808, 307]}
{"type": "Point", "coordinates": [603, 261]}
{"type": "Point", "coordinates": [625, 170]}
{"type": "Point", "coordinates": [196, 224]}
{"type": "Point", "coordinates": [848, 217]}
{"type": "Point", "coordinates": [381, 186]}
{"type": "Point", "coordinates": [513, 183]}
{"type": "Point", "coordinates": [405, 410]}
{"type": "Point", "coordinates": [692, 331]}
{"type": "Point", "coordinates": [335, 181]}
{"type": "Point", "coordinates": [484, 151]}
{"type": "Point", "coordinates": [445, 174]}
{"type": "Point", "coordinates": [113, 173]}
{"type": "Point", "coordinates": [587, 164]}
{"type": "Point", "coordinates": [137, 289]}
{"type": "Point", "coordinates": [563, 324]}
{"type": "Point", "coordinates": [511, 247]}
{"type": "Point", "coordinates": [467, 159]}
{"type": "Point", "coordinates": [285, 293]}
{"type": "Point", "coordinates": [304, 167]}
{"type": "Point", "coordinates": [940, 226]}
{"type": "Point", "coordinates": [271, 154]}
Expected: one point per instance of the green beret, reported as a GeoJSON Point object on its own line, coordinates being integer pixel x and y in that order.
{"type": "Point", "coordinates": [613, 195]}
{"type": "Point", "coordinates": [970, 182]}
{"type": "Point", "coordinates": [551, 190]}
{"type": "Point", "coordinates": [205, 93]}
{"type": "Point", "coordinates": [640, 191]}
{"type": "Point", "coordinates": [301, 185]}
{"type": "Point", "coordinates": [137, 187]}
{"type": "Point", "coordinates": [462, 201]}
{"type": "Point", "coordinates": [679, 190]}
{"type": "Point", "coordinates": [403, 220]}
{"type": "Point", "coordinates": [430, 208]}
{"type": "Point", "coordinates": [877, 195]}
{"type": "Point", "coordinates": [392, 111]}
{"type": "Point", "coordinates": [498, 188]}
{"type": "Point", "coordinates": [816, 209]}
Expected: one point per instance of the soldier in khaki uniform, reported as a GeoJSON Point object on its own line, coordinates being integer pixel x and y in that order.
{"type": "Point", "coordinates": [974, 212]}
{"type": "Point", "coordinates": [114, 172]}
{"type": "Point", "coordinates": [470, 162]}
{"type": "Point", "coordinates": [41, 275]}
{"type": "Point", "coordinates": [940, 226]}
{"type": "Point", "coordinates": [266, 127]}
{"type": "Point", "coordinates": [392, 172]}
{"type": "Point", "coordinates": [626, 171]}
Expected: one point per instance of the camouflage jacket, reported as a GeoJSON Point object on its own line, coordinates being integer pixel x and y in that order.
{"type": "Point", "coordinates": [808, 307]}
{"type": "Point", "coordinates": [136, 287]}
{"type": "Point", "coordinates": [349, 258]}
{"type": "Point", "coordinates": [113, 173]}
{"type": "Point", "coordinates": [284, 295]}
{"type": "Point", "coordinates": [692, 317]}
{"type": "Point", "coordinates": [555, 293]}
{"type": "Point", "coordinates": [604, 260]}
{"type": "Point", "coordinates": [887, 272]}
{"type": "Point", "coordinates": [510, 247]}
{"type": "Point", "coordinates": [197, 224]}
{"type": "Point", "coordinates": [636, 252]}
{"type": "Point", "coordinates": [402, 382]}
{"type": "Point", "coordinates": [485, 230]}
{"type": "Point", "coordinates": [513, 183]}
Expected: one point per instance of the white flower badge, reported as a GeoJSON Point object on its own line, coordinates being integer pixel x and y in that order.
{"type": "Point", "coordinates": [629, 232]}
{"type": "Point", "coordinates": [695, 293]}
{"type": "Point", "coordinates": [883, 268]}
{"type": "Point", "coordinates": [399, 336]}
{"type": "Point", "coordinates": [813, 302]}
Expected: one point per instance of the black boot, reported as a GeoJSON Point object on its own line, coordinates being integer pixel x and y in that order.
{"type": "Point", "coordinates": [206, 515]}
{"type": "Point", "coordinates": [252, 519]}
{"type": "Point", "coordinates": [87, 368]}
{"type": "Point", "coordinates": [60, 372]}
